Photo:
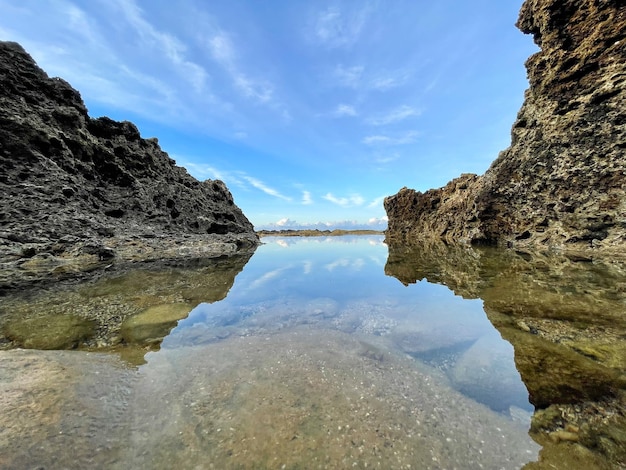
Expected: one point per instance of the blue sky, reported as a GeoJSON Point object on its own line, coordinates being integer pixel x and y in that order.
{"type": "Point", "coordinates": [310, 111]}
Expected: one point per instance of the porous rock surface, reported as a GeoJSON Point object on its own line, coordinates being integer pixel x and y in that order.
{"type": "Point", "coordinates": [78, 189]}
{"type": "Point", "coordinates": [562, 181]}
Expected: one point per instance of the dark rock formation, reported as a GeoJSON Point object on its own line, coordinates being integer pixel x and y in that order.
{"type": "Point", "coordinates": [75, 186]}
{"type": "Point", "coordinates": [562, 181]}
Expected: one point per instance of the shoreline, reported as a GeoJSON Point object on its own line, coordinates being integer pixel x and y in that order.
{"type": "Point", "coordinates": [316, 233]}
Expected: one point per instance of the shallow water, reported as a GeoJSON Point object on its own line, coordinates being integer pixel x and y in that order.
{"type": "Point", "coordinates": [315, 359]}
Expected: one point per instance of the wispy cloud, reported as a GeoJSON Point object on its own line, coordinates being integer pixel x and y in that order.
{"type": "Point", "coordinates": [396, 115]}
{"type": "Point", "coordinates": [339, 263]}
{"type": "Point", "coordinates": [375, 204]}
{"type": "Point", "coordinates": [202, 171]}
{"type": "Point", "coordinates": [81, 24]}
{"type": "Point", "coordinates": [264, 188]}
{"type": "Point", "coordinates": [385, 140]}
{"type": "Point", "coordinates": [233, 178]}
{"type": "Point", "coordinates": [348, 76]}
{"type": "Point", "coordinates": [287, 223]}
{"type": "Point", "coordinates": [267, 277]}
{"type": "Point", "coordinates": [343, 110]}
{"type": "Point", "coordinates": [350, 201]}
{"type": "Point", "coordinates": [371, 79]}
{"type": "Point", "coordinates": [223, 52]}
{"type": "Point", "coordinates": [389, 80]}
{"type": "Point", "coordinates": [306, 198]}
{"type": "Point", "coordinates": [387, 158]}
{"type": "Point", "coordinates": [168, 44]}
{"type": "Point", "coordinates": [335, 28]}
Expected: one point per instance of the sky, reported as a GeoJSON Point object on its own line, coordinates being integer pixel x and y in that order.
{"type": "Point", "coordinates": [311, 112]}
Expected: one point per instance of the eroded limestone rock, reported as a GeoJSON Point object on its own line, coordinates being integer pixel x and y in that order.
{"type": "Point", "coordinates": [562, 181]}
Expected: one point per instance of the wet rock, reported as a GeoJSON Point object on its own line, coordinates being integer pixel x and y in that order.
{"type": "Point", "coordinates": [153, 324]}
{"type": "Point", "coordinates": [562, 181]}
{"type": "Point", "coordinates": [50, 332]}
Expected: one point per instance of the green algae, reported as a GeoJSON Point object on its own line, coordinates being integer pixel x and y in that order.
{"type": "Point", "coordinates": [153, 323]}
{"type": "Point", "coordinates": [50, 332]}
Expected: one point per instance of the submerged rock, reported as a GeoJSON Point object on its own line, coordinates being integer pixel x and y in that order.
{"type": "Point", "coordinates": [154, 323]}
{"type": "Point", "coordinates": [50, 332]}
{"type": "Point", "coordinates": [562, 181]}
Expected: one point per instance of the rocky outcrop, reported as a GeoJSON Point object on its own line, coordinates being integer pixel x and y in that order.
{"type": "Point", "coordinates": [562, 181]}
{"type": "Point", "coordinates": [72, 186]}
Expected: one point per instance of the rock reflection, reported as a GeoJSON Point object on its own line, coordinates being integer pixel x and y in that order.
{"type": "Point", "coordinates": [130, 313]}
{"type": "Point", "coordinates": [566, 320]}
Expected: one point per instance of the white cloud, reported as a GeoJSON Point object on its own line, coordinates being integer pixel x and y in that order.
{"type": "Point", "coordinates": [202, 171]}
{"type": "Point", "coordinates": [262, 92]}
{"type": "Point", "coordinates": [289, 224]}
{"type": "Point", "coordinates": [337, 29]}
{"type": "Point", "coordinates": [285, 222]}
{"type": "Point", "coordinates": [387, 158]}
{"type": "Point", "coordinates": [350, 201]}
{"type": "Point", "coordinates": [223, 52]}
{"type": "Point", "coordinates": [344, 110]}
{"type": "Point", "coordinates": [263, 187]}
{"type": "Point", "coordinates": [164, 42]}
{"type": "Point", "coordinates": [376, 139]}
{"type": "Point", "coordinates": [349, 76]}
{"type": "Point", "coordinates": [222, 49]}
{"type": "Point", "coordinates": [376, 203]}
{"type": "Point", "coordinates": [267, 277]}
{"type": "Point", "coordinates": [306, 198]}
{"type": "Point", "coordinates": [396, 115]}
{"type": "Point", "coordinates": [389, 80]}
{"type": "Point", "coordinates": [340, 263]}
{"type": "Point", "coordinates": [80, 23]}
{"type": "Point", "coordinates": [404, 139]}
{"type": "Point", "coordinates": [382, 221]}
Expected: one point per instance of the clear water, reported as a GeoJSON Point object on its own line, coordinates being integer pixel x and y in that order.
{"type": "Point", "coordinates": [315, 359]}
{"type": "Point", "coordinates": [338, 283]}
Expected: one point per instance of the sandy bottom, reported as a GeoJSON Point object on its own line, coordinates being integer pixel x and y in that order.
{"type": "Point", "coordinates": [301, 398]}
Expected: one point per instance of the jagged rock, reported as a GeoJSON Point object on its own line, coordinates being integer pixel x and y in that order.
{"type": "Point", "coordinates": [562, 181]}
{"type": "Point", "coordinates": [72, 186]}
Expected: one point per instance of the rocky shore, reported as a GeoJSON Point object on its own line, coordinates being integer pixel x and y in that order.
{"type": "Point", "coordinates": [561, 184]}
{"type": "Point", "coordinates": [79, 194]}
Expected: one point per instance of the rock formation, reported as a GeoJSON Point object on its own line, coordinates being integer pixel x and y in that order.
{"type": "Point", "coordinates": [562, 181]}
{"type": "Point", "coordinates": [75, 186]}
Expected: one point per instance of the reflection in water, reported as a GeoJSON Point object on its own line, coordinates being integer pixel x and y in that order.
{"type": "Point", "coordinates": [567, 322]}
{"type": "Point", "coordinates": [316, 359]}
{"type": "Point", "coordinates": [316, 356]}
{"type": "Point", "coordinates": [125, 312]}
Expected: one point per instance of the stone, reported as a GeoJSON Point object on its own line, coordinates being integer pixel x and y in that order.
{"type": "Point", "coordinates": [66, 174]}
{"type": "Point", "coordinates": [154, 323]}
{"type": "Point", "coordinates": [562, 181]}
{"type": "Point", "coordinates": [50, 332]}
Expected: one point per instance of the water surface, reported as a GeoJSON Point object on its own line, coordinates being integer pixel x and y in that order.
{"type": "Point", "coordinates": [314, 359]}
